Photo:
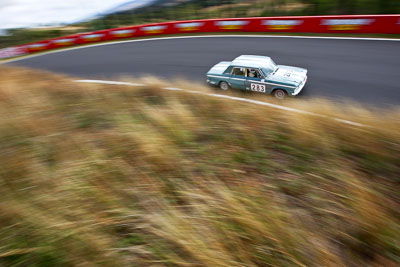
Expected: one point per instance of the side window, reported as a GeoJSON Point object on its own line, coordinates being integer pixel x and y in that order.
{"type": "Point", "coordinates": [253, 73]}
{"type": "Point", "coordinates": [238, 71]}
{"type": "Point", "coordinates": [228, 71]}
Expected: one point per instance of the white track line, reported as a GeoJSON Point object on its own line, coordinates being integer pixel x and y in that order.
{"type": "Point", "coordinates": [200, 36]}
{"type": "Point", "coordinates": [109, 82]}
{"type": "Point", "coordinates": [173, 89]}
{"type": "Point", "coordinates": [256, 102]}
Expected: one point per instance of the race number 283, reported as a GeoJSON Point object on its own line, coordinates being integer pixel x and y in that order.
{"type": "Point", "coordinates": [258, 87]}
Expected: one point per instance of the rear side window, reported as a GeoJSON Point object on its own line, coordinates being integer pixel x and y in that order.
{"type": "Point", "coordinates": [238, 71]}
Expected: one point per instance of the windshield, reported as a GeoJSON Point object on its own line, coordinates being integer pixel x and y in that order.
{"type": "Point", "coordinates": [270, 68]}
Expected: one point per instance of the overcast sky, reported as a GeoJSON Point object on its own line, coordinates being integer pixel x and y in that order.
{"type": "Point", "coordinates": [30, 13]}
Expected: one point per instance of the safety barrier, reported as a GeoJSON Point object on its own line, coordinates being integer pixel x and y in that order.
{"type": "Point", "coordinates": [367, 24]}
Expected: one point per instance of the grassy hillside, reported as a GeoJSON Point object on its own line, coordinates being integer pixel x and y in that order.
{"type": "Point", "coordinates": [138, 176]}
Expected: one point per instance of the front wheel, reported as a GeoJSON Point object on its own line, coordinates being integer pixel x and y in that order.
{"type": "Point", "coordinates": [279, 94]}
{"type": "Point", "coordinates": [224, 86]}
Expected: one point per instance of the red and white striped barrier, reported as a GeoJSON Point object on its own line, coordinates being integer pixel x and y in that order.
{"type": "Point", "coordinates": [367, 24]}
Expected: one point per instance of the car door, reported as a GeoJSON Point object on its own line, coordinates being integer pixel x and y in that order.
{"type": "Point", "coordinates": [238, 78]}
{"type": "Point", "coordinates": [255, 81]}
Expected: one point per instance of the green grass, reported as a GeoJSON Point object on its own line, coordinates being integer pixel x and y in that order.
{"type": "Point", "coordinates": [139, 176]}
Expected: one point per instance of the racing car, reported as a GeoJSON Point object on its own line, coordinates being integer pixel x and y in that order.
{"type": "Point", "coordinates": [258, 74]}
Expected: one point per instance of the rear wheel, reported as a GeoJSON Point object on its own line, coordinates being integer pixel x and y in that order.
{"type": "Point", "coordinates": [279, 94]}
{"type": "Point", "coordinates": [224, 86]}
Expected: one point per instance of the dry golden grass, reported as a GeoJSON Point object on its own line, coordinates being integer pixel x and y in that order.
{"type": "Point", "coordinates": [139, 176]}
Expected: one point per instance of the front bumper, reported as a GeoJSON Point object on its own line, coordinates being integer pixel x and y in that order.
{"type": "Point", "coordinates": [301, 86]}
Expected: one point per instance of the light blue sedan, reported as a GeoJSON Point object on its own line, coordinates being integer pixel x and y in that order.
{"type": "Point", "coordinates": [258, 74]}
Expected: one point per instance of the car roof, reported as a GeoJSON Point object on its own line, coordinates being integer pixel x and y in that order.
{"type": "Point", "coordinates": [252, 57]}
{"type": "Point", "coordinates": [252, 61]}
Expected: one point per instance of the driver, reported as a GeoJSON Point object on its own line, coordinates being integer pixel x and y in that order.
{"type": "Point", "coordinates": [252, 73]}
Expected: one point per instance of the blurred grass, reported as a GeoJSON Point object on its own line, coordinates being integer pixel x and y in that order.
{"type": "Point", "coordinates": [138, 176]}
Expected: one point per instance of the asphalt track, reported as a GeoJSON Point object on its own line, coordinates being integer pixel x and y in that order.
{"type": "Point", "coordinates": [367, 71]}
